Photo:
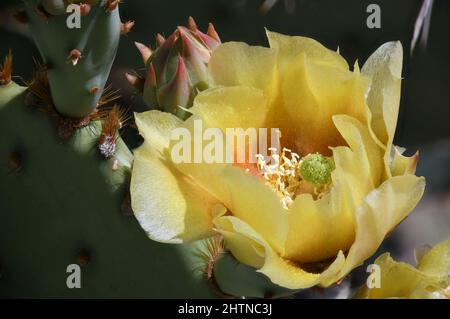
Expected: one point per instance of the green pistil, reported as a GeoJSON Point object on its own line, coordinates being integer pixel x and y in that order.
{"type": "Point", "coordinates": [316, 169]}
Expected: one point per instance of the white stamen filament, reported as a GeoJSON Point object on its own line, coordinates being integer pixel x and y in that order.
{"type": "Point", "coordinates": [281, 173]}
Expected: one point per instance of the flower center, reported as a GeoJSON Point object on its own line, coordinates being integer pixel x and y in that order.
{"type": "Point", "coordinates": [316, 169]}
{"type": "Point", "coordinates": [289, 174]}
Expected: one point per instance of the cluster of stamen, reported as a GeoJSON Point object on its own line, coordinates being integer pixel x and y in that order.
{"type": "Point", "coordinates": [285, 174]}
{"type": "Point", "coordinates": [281, 172]}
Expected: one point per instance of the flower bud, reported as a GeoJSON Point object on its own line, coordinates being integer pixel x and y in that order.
{"type": "Point", "coordinates": [177, 69]}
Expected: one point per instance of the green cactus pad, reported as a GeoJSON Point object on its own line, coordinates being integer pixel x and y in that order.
{"type": "Point", "coordinates": [76, 89]}
{"type": "Point", "coordinates": [237, 279]}
{"type": "Point", "coordinates": [60, 204]}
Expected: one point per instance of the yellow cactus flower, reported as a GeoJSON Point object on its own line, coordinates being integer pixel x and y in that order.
{"type": "Point", "coordinates": [430, 280]}
{"type": "Point", "coordinates": [332, 191]}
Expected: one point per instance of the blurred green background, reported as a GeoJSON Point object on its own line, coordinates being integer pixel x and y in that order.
{"type": "Point", "coordinates": [424, 119]}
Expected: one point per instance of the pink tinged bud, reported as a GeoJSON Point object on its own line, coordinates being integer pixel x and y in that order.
{"type": "Point", "coordinates": [160, 39]}
{"type": "Point", "coordinates": [212, 33]}
{"type": "Point", "coordinates": [135, 81]}
{"type": "Point", "coordinates": [162, 57]}
{"type": "Point", "coordinates": [144, 50]}
{"type": "Point", "coordinates": [151, 75]}
{"type": "Point", "coordinates": [190, 44]}
{"type": "Point", "coordinates": [197, 57]}
{"type": "Point", "coordinates": [191, 24]}
{"type": "Point", "coordinates": [209, 42]}
{"type": "Point", "coordinates": [149, 89]}
{"type": "Point", "coordinates": [178, 92]}
{"type": "Point", "coordinates": [177, 69]}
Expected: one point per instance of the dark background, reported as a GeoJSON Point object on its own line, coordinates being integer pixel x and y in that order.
{"type": "Point", "coordinates": [425, 105]}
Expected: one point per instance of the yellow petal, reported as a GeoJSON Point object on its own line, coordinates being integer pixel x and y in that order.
{"type": "Point", "coordinates": [397, 279]}
{"type": "Point", "coordinates": [205, 174]}
{"type": "Point", "coordinates": [311, 94]}
{"type": "Point", "coordinates": [231, 107]}
{"type": "Point", "coordinates": [289, 47]}
{"type": "Point", "coordinates": [401, 165]}
{"type": "Point", "coordinates": [236, 63]}
{"type": "Point", "coordinates": [156, 127]}
{"type": "Point", "coordinates": [400, 280]}
{"type": "Point", "coordinates": [286, 274]}
{"type": "Point", "coordinates": [245, 249]}
{"type": "Point", "coordinates": [257, 204]}
{"type": "Point", "coordinates": [358, 167]}
{"type": "Point", "coordinates": [169, 207]}
{"type": "Point", "coordinates": [384, 66]}
{"type": "Point", "coordinates": [318, 229]}
{"type": "Point", "coordinates": [280, 271]}
{"type": "Point", "coordinates": [338, 91]}
{"type": "Point", "coordinates": [382, 210]}
{"type": "Point", "coordinates": [307, 101]}
{"type": "Point", "coordinates": [436, 262]}
{"type": "Point", "coordinates": [364, 163]}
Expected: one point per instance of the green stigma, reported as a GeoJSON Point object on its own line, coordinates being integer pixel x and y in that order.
{"type": "Point", "coordinates": [316, 169]}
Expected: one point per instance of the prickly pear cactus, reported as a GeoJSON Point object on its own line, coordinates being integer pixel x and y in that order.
{"type": "Point", "coordinates": [78, 56]}
{"type": "Point", "coordinates": [177, 69]}
{"type": "Point", "coordinates": [63, 201]}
